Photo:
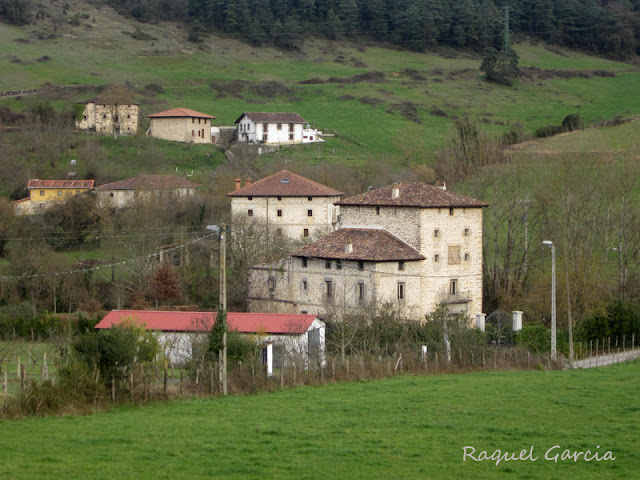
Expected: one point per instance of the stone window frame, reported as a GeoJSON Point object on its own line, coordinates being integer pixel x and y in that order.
{"type": "Point", "coordinates": [401, 291]}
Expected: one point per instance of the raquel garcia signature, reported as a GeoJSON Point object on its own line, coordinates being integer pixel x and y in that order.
{"type": "Point", "coordinates": [553, 454]}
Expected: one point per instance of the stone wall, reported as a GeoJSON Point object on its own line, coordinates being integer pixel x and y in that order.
{"type": "Point", "coordinates": [99, 118]}
{"type": "Point", "coordinates": [181, 129]}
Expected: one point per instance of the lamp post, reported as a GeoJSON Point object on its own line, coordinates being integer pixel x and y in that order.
{"type": "Point", "coordinates": [553, 298]}
{"type": "Point", "coordinates": [222, 230]}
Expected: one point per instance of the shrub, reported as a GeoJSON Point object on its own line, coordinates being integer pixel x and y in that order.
{"type": "Point", "coordinates": [572, 122]}
{"type": "Point", "coordinates": [535, 338]}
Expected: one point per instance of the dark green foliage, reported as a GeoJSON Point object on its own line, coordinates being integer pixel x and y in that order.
{"type": "Point", "coordinates": [605, 28]}
{"type": "Point", "coordinates": [16, 12]}
{"type": "Point", "coordinates": [572, 122]}
{"type": "Point", "coordinates": [621, 319]}
{"type": "Point", "coordinates": [217, 332]}
{"type": "Point", "coordinates": [548, 131]}
{"type": "Point", "coordinates": [536, 338]}
{"type": "Point", "coordinates": [114, 351]}
{"type": "Point", "coordinates": [500, 66]}
{"type": "Point", "coordinates": [239, 347]}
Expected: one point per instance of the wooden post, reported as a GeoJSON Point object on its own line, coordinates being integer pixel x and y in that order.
{"type": "Point", "coordinates": [347, 366]}
{"type": "Point", "coordinates": [4, 389]}
{"type": "Point", "coordinates": [164, 380]}
{"type": "Point", "coordinates": [633, 341]}
{"type": "Point", "coordinates": [211, 380]}
{"type": "Point", "coordinates": [18, 369]}
{"type": "Point", "coordinates": [181, 378]}
{"type": "Point", "coordinates": [282, 372]}
{"type": "Point", "coordinates": [23, 375]}
{"type": "Point", "coordinates": [609, 346]}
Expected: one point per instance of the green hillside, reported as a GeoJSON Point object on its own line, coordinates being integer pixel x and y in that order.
{"type": "Point", "coordinates": [399, 97]}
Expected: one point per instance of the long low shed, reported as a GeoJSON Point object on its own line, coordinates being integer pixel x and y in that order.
{"type": "Point", "coordinates": [294, 335]}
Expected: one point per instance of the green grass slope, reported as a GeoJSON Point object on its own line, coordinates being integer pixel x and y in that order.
{"type": "Point", "coordinates": [403, 427]}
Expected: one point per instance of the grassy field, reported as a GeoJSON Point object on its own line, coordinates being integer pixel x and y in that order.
{"type": "Point", "coordinates": [403, 427]}
{"type": "Point", "coordinates": [367, 115]}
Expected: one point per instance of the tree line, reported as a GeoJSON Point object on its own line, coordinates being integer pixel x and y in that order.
{"type": "Point", "coordinates": [603, 27]}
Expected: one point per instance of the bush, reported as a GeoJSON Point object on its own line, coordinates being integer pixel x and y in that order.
{"type": "Point", "coordinates": [572, 122]}
{"type": "Point", "coordinates": [548, 131]}
{"type": "Point", "coordinates": [535, 338]}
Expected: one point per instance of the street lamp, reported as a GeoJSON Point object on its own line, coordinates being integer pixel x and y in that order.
{"type": "Point", "coordinates": [553, 297]}
{"type": "Point", "coordinates": [221, 230]}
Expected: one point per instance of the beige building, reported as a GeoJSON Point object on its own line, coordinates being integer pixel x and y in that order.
{"type": "Point", "coordinates": [127, 192]}
{"type": "Point", "coordinates": [289, 205]}
{"type": "Point", "coordinates": [411, 244]}
{"type": "Point", "coordinates": [181, 125]}
{"type": "Point", "coordinates": [44, 194]}
{"type": "Point", "coordinates": [118, 119]}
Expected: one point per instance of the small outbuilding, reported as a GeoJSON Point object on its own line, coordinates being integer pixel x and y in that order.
{"type": "Point", "coordinates": [294, 335]}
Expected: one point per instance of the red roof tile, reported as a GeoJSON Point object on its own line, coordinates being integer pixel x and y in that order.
{"type": "Point", "coordinates": [276, 323]}
{"type": "Point", "coordinates": [60, 183]}
{"type": "Point", "coordinates": [149, 182]}
{"type": "Point", "coordinates": [414, 195]}
{"type": "Point", "coordinates": [272, 117]}
{"type": "Point", "coordinates": [285, 184]}
{"type": "Point", "coordinates": [369, 244]}
{"type": "Point", "coordinates": [180, 112]}
{"type": "Point", "coordinates": [21, 200]}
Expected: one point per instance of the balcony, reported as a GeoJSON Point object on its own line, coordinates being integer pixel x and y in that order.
{"type": "Point", "coordinates": [461, 296]}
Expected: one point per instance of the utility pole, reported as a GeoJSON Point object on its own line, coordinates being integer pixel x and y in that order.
{"type": "Point", "coordinates": [223, 303]}
{"type": "Point", "coordinates": [553, 298]}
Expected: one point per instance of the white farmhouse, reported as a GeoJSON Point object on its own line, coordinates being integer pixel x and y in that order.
{"type": "Point", "coordinates": [295, 336]}
{"type": "Point", "coordinates": [125, 193]}
{"type": "Point", "coordinates": [288, 204]}
{"type": "Point", "coordinates": [181, 125]}
{"type": "Point", "coordinates": [410, 244]}
{"type": "Point", "coordinates": [274, 129]}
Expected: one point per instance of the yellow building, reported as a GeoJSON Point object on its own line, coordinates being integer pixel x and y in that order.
{"type": "Point", "coordinates": [44, 194]}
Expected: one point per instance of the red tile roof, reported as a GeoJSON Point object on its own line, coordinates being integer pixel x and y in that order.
{"type": "Point", "coordinates": [413, 195]}
{"type": "Point", "coordinates": [60, 184]}
{"type": "Point", "coordinates": [285, 184]}
{"type": "Point", "coordinates": [21, 200]}
{"type": "Point", "coordinates": [276, 323]}
{"type": "Point", "coordinates": [180, 112]}
{"type": "Point", "coordinates": [149, 182]}
{"type": "Point", "coordinates": [369, 244]}
{"type": "Point", "coordinates": [272, 117]}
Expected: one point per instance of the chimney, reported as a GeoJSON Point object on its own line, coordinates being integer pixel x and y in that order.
{"type": "Point", "coordinates": [238, 183]}
{"type": "Point", "coordinates": [395, 192]}
{"type": "Point", "coordinates": [349, 247]}
{"type": "Point", "coordinates": [247, 182]}
{"type": "Point", "coordinates": [370, 188]}
{"type": "Point", "coordinates": [441, 185]}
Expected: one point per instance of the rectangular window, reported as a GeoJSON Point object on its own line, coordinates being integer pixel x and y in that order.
{"type": "Point", "coordinates": [401, 290]}
{"type": "Point", "coordinates": [328, 288]}
{"type": "Point", "coordinates": [466, 257]}
{"type": "Point", "coordinates": [436, 258]}
{"type": "Point", "coordinates": [466, 232]}
{"type": "Point", "coordinates": [250, 213]}
{"type": "Point", "coordinates": [198, 121]}
{"type": "Point", "coordinates": [360, 265]}
{"type": "Point", "coordinates": [361, 292]}
{"type": "Point", "coordinates": [193, 120]}
{"type": "Point", "coordinates": [59, 193]}
{"type": "Point", "coordinates": [279, 212]}
{"type": "Point", "coordinates": [451, 211]}
{"type": "Point", "coordinates": [250, 198]}
{"type": "Point", "coordinates": [42, 193]}
{"type": "Point", "coordinates": [309, 213]}
{"type": "Point", "coordinates": [279, 199]}
{"type": "Point", "coordinates": [279, 232]}
{"type": "Point", "coordinates": [305, 232]}
{"type": "Point", "coordinates": [339, 264]}
{"type": "Point", "coordinates": [279, 126]}
{"type": "Point", "coordinates": [454, 255]}
{"type": "Point", "coordinates": [453, 287]}
{"type": "Point", "coordinates": [305, 285]}
{"type": "Point", "coordinates": [193, 133]}
{"type": "Point", "coordinates": [327, 264]}
{"type": "Point", "coordinates": [377, 210]}
{"type": "Point", "coordinates": [291, 136]}
{"type": "Point", "coordinates": [305, 262]}
{"type": "Point", "coordinates": [291, 127]}
{"type": "Point", "coordinates": [310, 198]}
{"type": "Point", "coordinates": [436, 233]}
{"type": "Point", "coordinates": [401, 266]}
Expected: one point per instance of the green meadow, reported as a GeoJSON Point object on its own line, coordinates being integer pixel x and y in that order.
{"type": "Point", "coordinates": [411, 427]}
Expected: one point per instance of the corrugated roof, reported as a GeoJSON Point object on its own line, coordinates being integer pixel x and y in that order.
{"type": "Point", "coordinates": [285, 184]}
{"type": "Point", "coordinates": [276, 323]}
{"type": "Point", "coordinates": [369, 244]}
{"type": "Point", "coordinates": [61, 184]}
{"type": "Point", "coordinates": [180, 112]}
{"type": "Point", "coordinates": [149, 182]}
{"type": "Point", "coordinates": [413, 195]}
{"type": "Point", "coordinates": [272, 117]}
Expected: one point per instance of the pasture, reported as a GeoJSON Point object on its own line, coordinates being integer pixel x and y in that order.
{"type": "Point", "coordinates": [402, 427]}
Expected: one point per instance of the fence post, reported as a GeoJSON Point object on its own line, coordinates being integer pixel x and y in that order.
{"type": "Point", "coordinates": [23, 375]}
{"type": "Point", "coordinates": [181, 378]}
{"type": "Point", "coordinates": [633, 341]}
{"type": "Point", "coordinates": [4, 389]}
{"type": "Point", "coordinates": [211, 379]}
{"type": "Point", "coordinates": [18, 369]}
{"type": "Point", "coordinates": [164, 379]}
{"type": "Point", "coordinates": [282, 371]}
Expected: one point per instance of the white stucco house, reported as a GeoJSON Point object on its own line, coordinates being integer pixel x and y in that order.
{"type": "Point", "coordinates": [298, 337]}
{"type": "Point", "coordinates": [181, 125]}
{"type": "Point", "coordinates": [287, 204]}
{"type": "Point", "coordinates": [410, 244]}
{"type": "Point", "coordinates": [125, 193]}
{"type": "Point", "coordinates": [275, 129]}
